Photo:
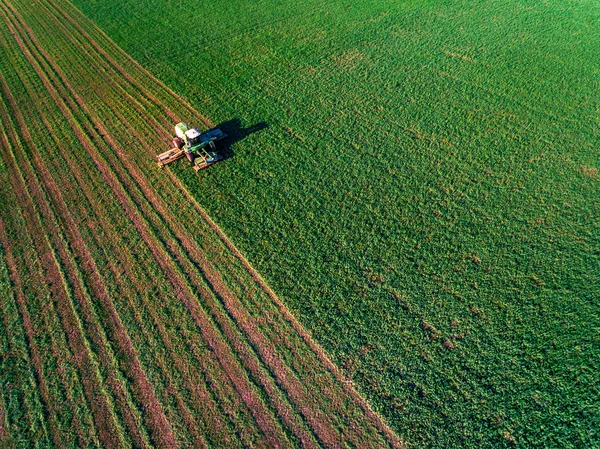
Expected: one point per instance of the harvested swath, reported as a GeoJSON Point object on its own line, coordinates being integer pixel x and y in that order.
{"type": "Point", "coordinates": [286, 313]}
{"type": "Point", "coordinates": [157, 422]}
{"type": "Point", "coordinates": [71, 322]}
{"type": "Point", "coordinates": [108, 429]}
{"type": "Point", "coordinates": [130, 167]}
{"type": "Point", "coordinates": [236, 374]}
{"type": "Point", "coordinates": [99, 126]}
{"type": "Point", "coordinates": [77, 168]}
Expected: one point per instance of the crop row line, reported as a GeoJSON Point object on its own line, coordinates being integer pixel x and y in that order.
{"type": "Point", "coordinates": [76, 169]}
{"type": "Point", "coordinates": [26, 208]}
{"type": "Point", "coordinates": [235, 337]}
{"type": "Point", "coordinates": [322, 356]}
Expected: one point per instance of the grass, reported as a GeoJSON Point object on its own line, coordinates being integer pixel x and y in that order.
{"type": "Point", "coordinates": [425, 196]}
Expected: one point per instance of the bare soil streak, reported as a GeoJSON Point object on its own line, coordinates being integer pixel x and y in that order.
{"type": "Point", "coordinates": [135, 217]}
{"type": "Point", "coordinates": [3, 429]}
{"type": "Point", "coordinates": [295, 390]}
{"type": "Point", "coordinates": [74, 338]}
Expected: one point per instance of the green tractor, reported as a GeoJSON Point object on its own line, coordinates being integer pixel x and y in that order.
{"type": "Point", "coordinates": [199, 148]}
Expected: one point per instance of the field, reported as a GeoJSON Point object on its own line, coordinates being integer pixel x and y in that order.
{"type": "Point", "coordinates": [423, 194]}
{"type": "Point", "coordinates": [128, 318]}
{"type": "Point", "coordinates": [417, 181]}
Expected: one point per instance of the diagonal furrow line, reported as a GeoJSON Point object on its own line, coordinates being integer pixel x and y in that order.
{"type": "Point", "coordinates": [187, 267]}
{"type": "Point", "coordinates": [76, 169]}
{"type": "Point", "coordinates": [100, 127]}
{"type": "Point", "coordinates": [256, 404]}
{"type": "Point", "coordinates": [295, 389]}
{"type": "Point", "coordinates": [322, 356]}
{"type": "Point", "coordinates": [156, 420]}
{"type": "Point", "coordinates": [75, 338]}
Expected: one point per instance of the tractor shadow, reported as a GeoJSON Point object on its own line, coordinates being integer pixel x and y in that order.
{"type": "Point", "coordinates": [235, 133]}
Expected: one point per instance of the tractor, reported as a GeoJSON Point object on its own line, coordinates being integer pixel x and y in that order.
{"type": "Point", "coordinates": [198, 147]}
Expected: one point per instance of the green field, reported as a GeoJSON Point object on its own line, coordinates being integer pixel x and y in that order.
{"type": "Point", "coordinates": [425, 195]}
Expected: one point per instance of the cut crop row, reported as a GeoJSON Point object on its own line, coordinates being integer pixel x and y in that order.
{"type": "Point", "coordinates": [121, 192]}
{"type": "Point", "coordinates": [51, 272]}
{"type": "Point", "coordinates": [134, 128]}
{"type": "Point", "coordinates": [78, 168]}
{"type": "Point", "coordinates": [97, 335]}
{"type": "Point", "coordinates": [113, 143]}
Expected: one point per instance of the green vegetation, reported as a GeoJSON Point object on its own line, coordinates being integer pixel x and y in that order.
{"type": "Point", "coordinates": [425, 196]}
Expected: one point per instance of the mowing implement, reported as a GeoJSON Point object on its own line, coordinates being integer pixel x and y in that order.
{"type": "Point", "coordinates": [199, 148]}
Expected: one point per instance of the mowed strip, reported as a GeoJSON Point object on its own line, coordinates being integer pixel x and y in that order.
{"type": "Point", "coordinates": [261, 378]}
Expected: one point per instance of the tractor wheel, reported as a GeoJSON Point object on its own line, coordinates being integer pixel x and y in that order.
{"type": "Point", "coordinates": [190, 157]}
{"type": "Point", "coordinates": [178, 143]}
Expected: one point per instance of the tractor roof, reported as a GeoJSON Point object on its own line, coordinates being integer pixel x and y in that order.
{"type": "Point", "coordinates": [192, 133]}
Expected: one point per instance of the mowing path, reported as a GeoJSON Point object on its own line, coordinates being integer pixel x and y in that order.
{"type": "Point", "coordinates": [130, 319]}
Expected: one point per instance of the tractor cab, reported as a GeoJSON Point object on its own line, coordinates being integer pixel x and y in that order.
{"type": "Point", "coordinates": [193, 138]}
{"type": "Point", "coordinates": [199, 148]}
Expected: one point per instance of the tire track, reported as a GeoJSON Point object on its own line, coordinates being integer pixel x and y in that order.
{"type": "Point", "coordinates": [76, 169]}
{"type": "Point", "coordinates": [97, 125]}
{"type": "Point", "coordinates": [16, 180]}
{"type": "Point", "coordinates": [282, 369]}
